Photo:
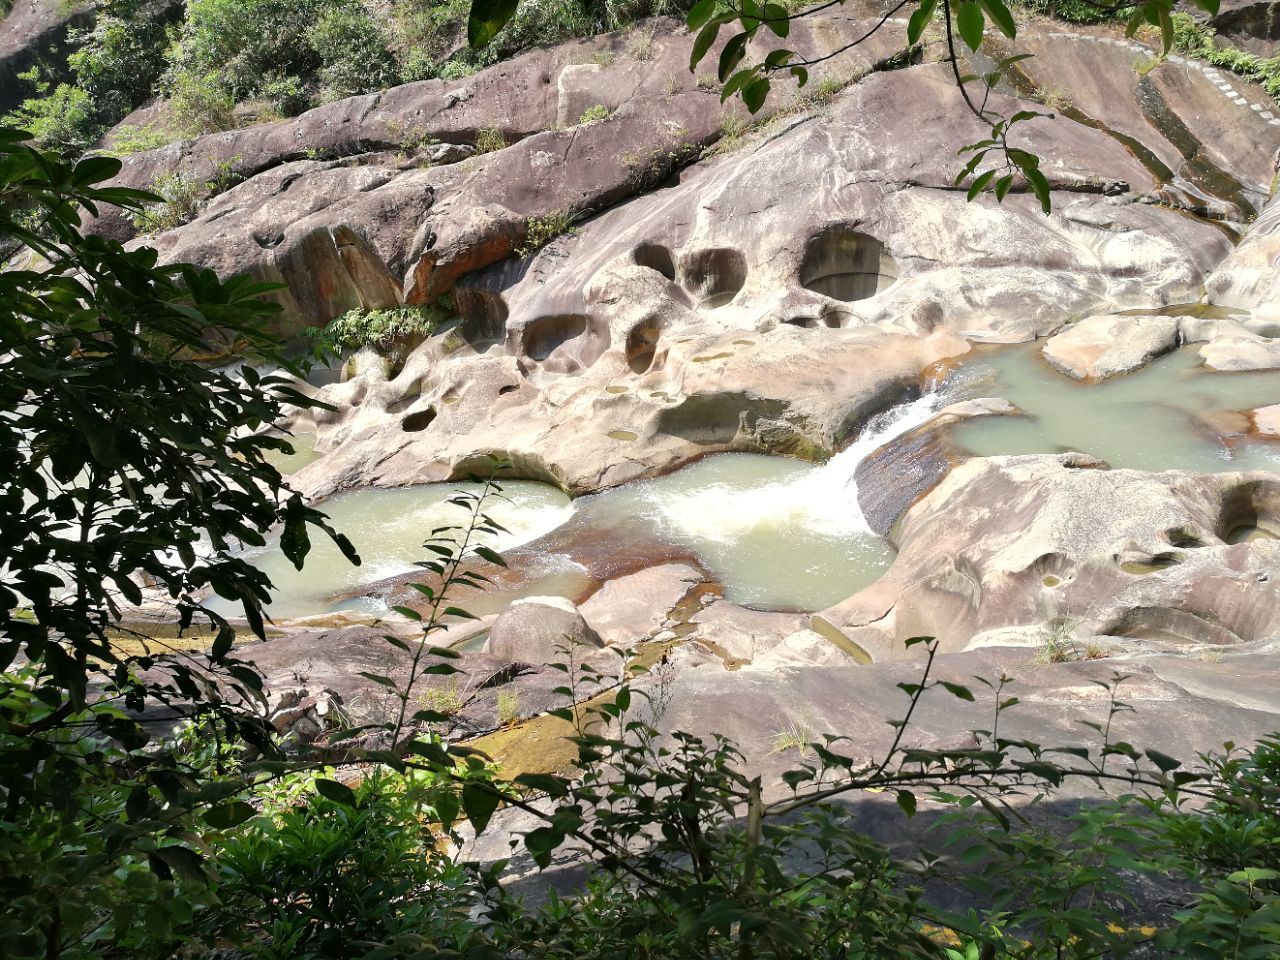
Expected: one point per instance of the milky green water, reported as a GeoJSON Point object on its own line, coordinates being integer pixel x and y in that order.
{"type": "Point", "coordinates": [387, 528]}
{"type": "Point", "coordinates": [779, 534]}
{"type": "Point", "coordinates": [304, 452]}
{"type": "Point", "coordinates": [1144, 420]}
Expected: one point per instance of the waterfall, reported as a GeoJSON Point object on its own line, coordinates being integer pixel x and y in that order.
{"type": "Point", "coordinates": [820, 500]}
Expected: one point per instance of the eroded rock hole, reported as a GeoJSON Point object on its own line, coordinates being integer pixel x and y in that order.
{"type": "Point", "coordinates": [642, 345]}
{"type": "Point", "coordinates": [714, 276]}
{"type": "Point", "coordinates": [655, 257]}
{"type": "Point", "coordinates": [1250, 511]}
{"type": "Point", "coordinates": [545, 335]}
{"type": "Point", "coordinates": [846, 265]}
{"type": "Point", "coordinates": [508, 388]}
{"type": "Point", "coordinates": [417, 422]}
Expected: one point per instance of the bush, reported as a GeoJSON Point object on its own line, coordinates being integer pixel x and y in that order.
{"type": "Point", "coordinates": [353, 53]}
{"type": "Point", "coordinates": [381, 328]}
{"type": "Point", "coordinates": [64, 119]}
{"type": "Point", "coordinates": [118, 61]}
{"type": "Point", "coordinates": [130, 139]}
{"type": "Point", "coordinates": [286, 96]}
{"type": "Point", "coordinates": [201, 103]}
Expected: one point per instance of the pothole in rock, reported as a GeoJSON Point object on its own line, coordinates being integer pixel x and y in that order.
{"type": "Point", "coordinates": [1150, 565]}
{"type": "Point", "coordinates": [713, 277]}
{"type": "Point", "coordinates": [655, 257]}
{"type": "Point", "coordinates": [1250, 511]}
{"type": "Point", "coordinates": [846, 265]}
{"type": "Point", "coordinates": [545, 335]}
{"type": "Point", "coordinates": [417, 422]}
{"type": "Point", "coordinates": [642, 346]}
{"type": "Point", "coordinates": [625, 436]}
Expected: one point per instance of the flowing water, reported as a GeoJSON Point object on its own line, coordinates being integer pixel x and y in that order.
{"type": "Point", "coordinates": [777, 533]}
{"type": "Point", "coordinates": [1153, 419]}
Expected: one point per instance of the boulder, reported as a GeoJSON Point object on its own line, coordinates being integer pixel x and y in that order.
{"type": "Point", "coordinates": [1266, 420]}
{"type": "Point", "coordinates": [1167, 560]}
{"type": "Point", "coordinates": [34, 33]}
{"type": "Point", "coordinates": [633, 608]}
{"type": "Point", "coordinates": [1241, 352]}
{"type": "Point", "coordinates": [540, 630]}
{"type": "Point", "coordinates": [1099, 347]}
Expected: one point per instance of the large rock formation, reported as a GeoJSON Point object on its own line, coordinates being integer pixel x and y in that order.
{"type": "Point", "coordinates": [1173, 559]}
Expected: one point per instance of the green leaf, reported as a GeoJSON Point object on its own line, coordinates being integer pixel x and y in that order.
{"type": "Point", "coordinates": [777, 20]}
{"type": "Point", "coordinates": [479, 803]}
{"type": "Point", "coordinates": [970, 23]}
{"type": "Point", "coordinates": [980, 183]}
{"type": "Point", "coordinates": [907, 801]}
{"type": "Point", "coordinates": [183, 860]}
{"type": "Point", "coordinates": [1163, 761]}
{"type": "Point", "coordinates": [919, 20]}
{"type": "Point", "coordinates": [335, 791]}
{"type": "Point", "coordinates": [754, 94]}
{"type": "Point", "coordinates": [487, 18]}
{"type": "Point", "coordinates": [731, 56]}
{"type": "Point", "coordinates": [1004, 21]}
{"type": "Point", "coordinates": [227, 815]}
{"type": "Point", "coordinates": [703, 43]}
{"type": "Point", "coordinates": [957, 690]}
{"type": "Point", "coordinates": [700, 13]}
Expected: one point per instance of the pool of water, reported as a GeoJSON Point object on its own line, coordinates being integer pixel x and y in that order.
{"type": "Point", "coordinates": [777, 533]}
{"type": "Point", "coordinates": [1146, 420]}
{"type": "Point", "coordinates": [387, 528]}
{"type": "Point", "coordinates": [304, 452]}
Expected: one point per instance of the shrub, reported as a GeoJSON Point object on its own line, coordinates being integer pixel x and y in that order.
{"type": "Point", "coordinates": [201, 103]}
{"type": "Point", "coordinates": [539, 231]}
{"type": "Point", "coordinates": [380, 328]}
{"type": "Point", "coordinates": [593, 113]}
{"type": "Point", "coordinates": [118, 60]}
{"type": "Point", "coordinates": [182, 198]}
{"type": "Point", "coordinates": [353, 53]}
{"type": "Point", "coordinates": [132, 138]}
{"type": "Point", "coordinates": [490, 139]}
{"type": "Point", "coordinates": [287, 96]}
{"type": "Point", "coordinates": [63, 119]}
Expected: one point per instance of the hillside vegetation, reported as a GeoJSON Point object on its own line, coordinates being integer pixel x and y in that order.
{"type": "Point", "coordinates": [219, 64]}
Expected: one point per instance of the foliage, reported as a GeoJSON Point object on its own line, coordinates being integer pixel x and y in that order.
{"type": "Point", "coordinates": [128, 464]}
{"type": "Point", "coordinates": [595, 112]}
{"type": "Point", "coordinates": [379, 328]}
{"type": "Point", "coordinates": [353, 52]}
{"type": "Point", "coordinates": [181, 196]}
{"type": "Point", "coordinates": [1197, 40]}
{"type": "Point", "coordinates": [315, 874]}
{"type": "Point", "coordinates": [129, 139]}
{"type": "Point", "coordinates": [62, 118]}
{"type": "Point", "coordinates": [489, 140]}
{"type": "Point", "coordinates": [118, 60]}
{"type": "Point", "coordinates": [539, 231]}
{"type": "Point", "coordinates": [200, 102]}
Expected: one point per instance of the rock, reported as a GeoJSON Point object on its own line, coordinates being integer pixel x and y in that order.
{"type": "Point", "coordinates": [1250, 25]}
{"type": "Point", "coordinates": [1241, 352]}
{"type": "Point", "coordinates": [1247, 278]}
{"type": "Point", "coordinates": [631, 608]}
{"type": "Point", "coordinates": [34, 33]}
{"type": "Point", "coordinates": [1099, 347]}
{"type": "Point", "coordinates": [1177, 707]}
{"type": "Point", "coordinates": [1266, 420]}
{"type": "Point", "coordinates": [1014, 541]}
{"type": "Point", "coordinates": [540, 630]}
{"type": "Point", "coordinates": [804, 648]}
